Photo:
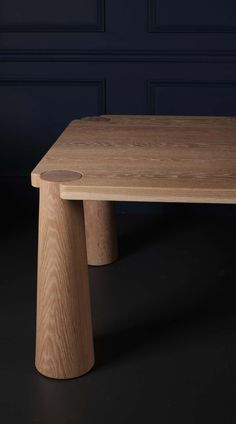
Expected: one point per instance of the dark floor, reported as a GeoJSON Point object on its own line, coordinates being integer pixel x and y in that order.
{"type": "Point", "coordinates": [164, 320]}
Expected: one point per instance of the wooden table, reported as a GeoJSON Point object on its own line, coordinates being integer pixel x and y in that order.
{"type": "Point", "coordinates": [95, 161]}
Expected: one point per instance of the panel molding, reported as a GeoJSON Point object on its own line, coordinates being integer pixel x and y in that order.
{"type": "Point", "coordinates": [152, 84]}
{"type": "Point", "coordinates": [117, 55]}
{"type": "Point", "coordinates": [99, 26]}
{"type": "Point", "coordinates": [100, 84]}
{"type": "Point", "coordinates": [154, 27]}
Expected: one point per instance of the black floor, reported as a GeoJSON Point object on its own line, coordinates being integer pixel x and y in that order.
{"type": "Point", "coordinates": [164, 320]}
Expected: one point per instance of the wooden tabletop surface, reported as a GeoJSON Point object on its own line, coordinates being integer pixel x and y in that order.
{"type": "Point", "coordinates": [146, 158]}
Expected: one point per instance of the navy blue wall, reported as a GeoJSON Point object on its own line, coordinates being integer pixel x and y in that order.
{"type": "Point", "coordinates": [62, 60]}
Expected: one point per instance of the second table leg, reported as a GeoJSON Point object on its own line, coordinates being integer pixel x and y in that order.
{"type": "Point", "coordinates": [101, 232]}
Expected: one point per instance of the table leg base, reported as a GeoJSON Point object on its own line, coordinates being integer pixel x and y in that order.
{"type": "Point", "coordinates": [64, 342]}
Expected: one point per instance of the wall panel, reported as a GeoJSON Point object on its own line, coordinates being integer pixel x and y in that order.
{"type": "Point", "coordinates": [36, 111]}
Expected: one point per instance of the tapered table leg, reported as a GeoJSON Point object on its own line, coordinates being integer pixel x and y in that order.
{"type": "Point", "coordinates": [101, 232]}
{"type": "Point", "coordinates": [64, 343]}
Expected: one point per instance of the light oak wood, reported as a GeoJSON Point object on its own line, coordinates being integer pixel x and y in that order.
{"type": "Point", "coordinates": [101, 233]}
{"type": "Point", "coordinates": [97, 160]}
{"type": "Point", "coordinates": [64, 344]}
{"type": "Point", "coordinates": [147, 158]}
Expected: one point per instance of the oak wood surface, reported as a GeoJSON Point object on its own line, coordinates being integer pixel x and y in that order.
{"type": "Point", "coordinates": [101, 232]}
{"type": "Point", "coordinates": [64, 344]}
{"type": "Point", "coordinates": [146, 158]}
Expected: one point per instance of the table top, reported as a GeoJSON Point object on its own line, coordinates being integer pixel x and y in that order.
{"type": "Point", "coordinates": [146, 158]}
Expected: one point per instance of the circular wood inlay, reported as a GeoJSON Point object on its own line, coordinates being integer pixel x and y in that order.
{"type": "Point", "coordinates": [60, 176]}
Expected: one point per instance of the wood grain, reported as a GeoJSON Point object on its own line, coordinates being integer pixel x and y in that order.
{"type": "Point", "coordinates": [101, 232]}
{"type": "Point", "coordinates": [147, 158]}
{"type": "Point", "coordinates": [64, 344]}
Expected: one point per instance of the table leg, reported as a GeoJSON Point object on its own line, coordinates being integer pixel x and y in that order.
{"type": "Point", "coordinates": [64, 343]}
{"type": "Point", "coordinates": [101, 232]}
